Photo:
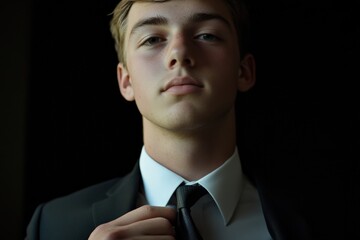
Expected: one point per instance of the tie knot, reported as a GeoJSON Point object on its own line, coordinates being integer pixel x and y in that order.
{"type": "Point", "coordinates": [187, 195]}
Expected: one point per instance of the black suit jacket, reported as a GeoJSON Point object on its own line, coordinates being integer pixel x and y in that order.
{"type": "Point", "coordinates": [75, 216]}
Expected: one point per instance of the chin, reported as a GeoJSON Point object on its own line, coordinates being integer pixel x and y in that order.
{"type": "Point", "coordinates": [186, 126]}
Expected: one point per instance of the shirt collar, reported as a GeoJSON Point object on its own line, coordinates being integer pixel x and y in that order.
{"type": "Point", "coordinates": [158, 181]}
{"type": "Point", "coordinates": [224, 184]}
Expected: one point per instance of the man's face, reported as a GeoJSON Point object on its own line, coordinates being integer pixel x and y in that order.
{"type": "Point", "coordinates": [182, 63]}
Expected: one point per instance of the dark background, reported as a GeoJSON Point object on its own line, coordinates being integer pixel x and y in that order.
{"type": "Point", "coordinates": [65, 126]}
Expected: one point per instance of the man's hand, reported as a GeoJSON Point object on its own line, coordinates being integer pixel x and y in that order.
{"type": "Point", "coordinates": [145, 222]}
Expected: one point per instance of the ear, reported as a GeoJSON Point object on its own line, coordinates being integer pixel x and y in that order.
{"type": "Point", "coordinates": [247, 73]}
{"type": "Point", "coordinates": [124, 81]}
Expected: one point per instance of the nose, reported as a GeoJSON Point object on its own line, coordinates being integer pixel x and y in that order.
{"type": "Point", "coordinates": [179, 53]}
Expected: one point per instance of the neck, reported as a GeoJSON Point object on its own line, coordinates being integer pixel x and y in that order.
{"type": "Point", "coordinates": [192, 153]}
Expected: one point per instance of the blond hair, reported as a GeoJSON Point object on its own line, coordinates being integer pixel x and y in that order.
{"type": "Point", "coordinates": [118, 23]}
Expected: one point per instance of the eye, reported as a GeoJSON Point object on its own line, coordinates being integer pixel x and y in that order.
{"type": "Point", "coordinates": [150, 41]}
{"type": "Point", "coordinates": [208, 37]}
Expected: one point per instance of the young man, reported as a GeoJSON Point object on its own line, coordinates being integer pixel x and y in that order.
{"type": "Point", "coordinates": [182, 62]}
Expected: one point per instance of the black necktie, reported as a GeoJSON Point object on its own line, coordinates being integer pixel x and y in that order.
{"type": "Point", "coordinates": [186, 196]}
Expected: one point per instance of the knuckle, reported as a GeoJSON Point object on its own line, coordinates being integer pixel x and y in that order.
{"type": "Point", "coordinates": [147, 210]}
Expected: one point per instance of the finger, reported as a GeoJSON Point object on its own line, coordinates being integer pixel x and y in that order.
{"type": "Point", "coordinates": [153, 237]}
{"type": "Point", "coordinates": [146, 212]}
{"type": "Point", "coordinates": [159, 226]}
{"type": "Point", "coordinates": [153, 226]}
{"type": "Point", "coordinates": [145, 229]}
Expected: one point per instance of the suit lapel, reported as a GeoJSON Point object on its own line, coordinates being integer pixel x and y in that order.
{"type": "Point", "coordinates": [283, 211]}
{"type": "Point", "coordinates": [121, 198]}
{"type": "Point", "coordinates": [282, 195]}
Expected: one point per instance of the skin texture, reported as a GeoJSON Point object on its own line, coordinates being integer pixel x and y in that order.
{"type": "Point", "coordinates": [183, 71]}
{"type": "Point", "coordinates": [145, 222]}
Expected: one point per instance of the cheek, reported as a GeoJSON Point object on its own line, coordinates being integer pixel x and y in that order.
{"type": "Point", "coordinates": [223, 64]}
{"type": "Point", "coordinates": [144, 74]}
{"type": "Point", "coordinates": [223, 72]}
{"type": "Point", "coordinates": [224, 58]}
{"type": "Point", "coordinates": [145, 65]}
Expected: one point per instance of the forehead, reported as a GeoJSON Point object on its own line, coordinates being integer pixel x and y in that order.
{"type": "Point", "coordinates": [177, 10]}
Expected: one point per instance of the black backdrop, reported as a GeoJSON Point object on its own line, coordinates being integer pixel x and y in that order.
{"type": "Point", "coordinates": [302, 115]}
{"type": "Point", "coordinates": [77, 120]}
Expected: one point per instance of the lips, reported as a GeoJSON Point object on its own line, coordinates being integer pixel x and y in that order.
{"type": "Point", "coordinates": [182, 85]}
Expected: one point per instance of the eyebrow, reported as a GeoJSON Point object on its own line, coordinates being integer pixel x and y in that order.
{"type": "Point", "coordinates": [157, 20]}
{"type": "Point", "coordinates": [203, 17]}
{"type": "Point", "coordinates": [195, 18]}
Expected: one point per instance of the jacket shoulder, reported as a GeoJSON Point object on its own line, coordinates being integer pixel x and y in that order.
{"type": "Point", "coordinates": [70, 216]}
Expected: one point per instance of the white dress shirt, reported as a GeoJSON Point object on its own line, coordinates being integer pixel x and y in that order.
{"type": "Point", "coordinates": [231, 210]}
